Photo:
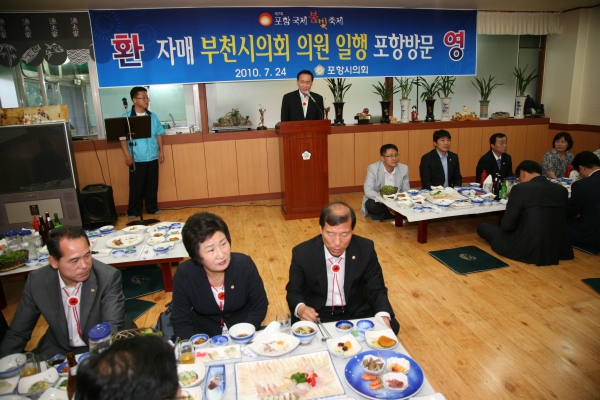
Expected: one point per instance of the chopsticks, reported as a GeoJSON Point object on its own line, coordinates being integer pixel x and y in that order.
{"type": "Point", "coordinates": [322, 328]}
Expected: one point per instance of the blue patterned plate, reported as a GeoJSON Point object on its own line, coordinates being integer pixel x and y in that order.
{"type": "Point", "coordinates": [354, 371]}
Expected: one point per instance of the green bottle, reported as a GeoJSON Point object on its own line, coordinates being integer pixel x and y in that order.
{"type": "Point", "coordinates": [57, 223]}
{"type": "Point", "coordinates": [504, 191]}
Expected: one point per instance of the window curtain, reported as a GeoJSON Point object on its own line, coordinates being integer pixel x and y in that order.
{"type": "Point", "coordinates": [518, 23]}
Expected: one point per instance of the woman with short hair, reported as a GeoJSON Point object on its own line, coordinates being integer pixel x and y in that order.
{"type": "Point", "coordinates": [556, 161]}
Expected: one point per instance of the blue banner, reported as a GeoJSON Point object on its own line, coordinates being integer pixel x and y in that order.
{"type": "Point", "coordinates": [189, 45]}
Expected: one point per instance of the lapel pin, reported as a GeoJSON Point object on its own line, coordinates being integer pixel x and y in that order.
{"type": "Point", "coordinates": [93, 290]}
{"type": "Point", "coordinates": [233, 286]}
{"type": "Point", "coordinates": [354, 257]}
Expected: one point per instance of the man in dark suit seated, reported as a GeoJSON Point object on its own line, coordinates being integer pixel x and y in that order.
{"type": "Point", "coordinates": [440, 167]}
{"type": "Point", "coordinates": [336, 275]}
{"type": "Point", "coordinates": [584, 205]}
{"type": "Point", "coordinates": [495, 161]}
{"type": "Point", "coordinates": [302, 104]}
{"type": "Point", "coordinates": [73, 294]}
{"type": "Point", "coordinates": [534, 227]}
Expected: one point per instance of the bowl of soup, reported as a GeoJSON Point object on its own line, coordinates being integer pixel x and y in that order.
{"type": "Point", "coordinates": [242, 333]}
{"type": "Point", "coordinates": [305, 331]}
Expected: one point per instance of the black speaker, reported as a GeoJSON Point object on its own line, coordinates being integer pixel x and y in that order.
{"type": "Point", "coordinates": [97, 205]}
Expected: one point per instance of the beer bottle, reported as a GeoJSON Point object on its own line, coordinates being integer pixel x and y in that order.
{"type": "Point", "coordinates": [72, 375]}
{"type": "Point", "coordinates": [57, 223]}
{"type": "Point", "coordinates": [43, 230]}
{"type": "Point", "coordinates": [49, 223]}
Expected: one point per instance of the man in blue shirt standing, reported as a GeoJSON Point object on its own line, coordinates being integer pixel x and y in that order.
{"type": "Point", "coordinates": [148, 153]}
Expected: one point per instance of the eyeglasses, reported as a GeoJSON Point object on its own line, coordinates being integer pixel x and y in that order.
{"type": "Point", "coordinates": [143, 98]}
{"type": "Point", "coordinates": [392, 156]}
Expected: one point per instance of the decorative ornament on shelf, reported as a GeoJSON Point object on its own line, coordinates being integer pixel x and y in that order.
{"type": "Point", "coordinates": [232, 121]}
{"type": "Point", "coordinates": [363, 117]}
{"type": "Point", "coordinates": [261, 125]}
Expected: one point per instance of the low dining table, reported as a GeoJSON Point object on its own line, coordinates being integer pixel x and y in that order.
{"type": "Point", "coordinates": [317, 345]}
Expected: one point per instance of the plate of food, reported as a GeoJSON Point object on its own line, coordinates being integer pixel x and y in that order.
{"type": "Point", "coordinates": [306, 376]}
{"type": "Point", "coordinates": [225, 353]}
{"type": "Point", "coordinates": [37, 384]}
{"type": "Point", "coordinates": [8, 385]}
{"type": "Point", "coordinates": [135, 229]}
{"type": "Point", "coordinates": [444, 202]}
{"type": "Point", "coordinates": [274, 344]}
{"type": "Point", "coordinates": [175, 238]}
{"type": "Point", "coordinates": [192, 393]}
{"type": "Point", "coordinates": [373, 387]}
{"type": "Point", "coordinates": [471, 191]}
{"type": "Point", "coordinates": [345, 346]}
{"type": "Point", "coordinates": [123, 241]}
{"type": "Point", "coordinates": [54, 394]}
{"type": "Point", "coordinates": [384, 339]}
{"type": "Point", "coordinates": [190, 375]}
{"type": "Point", "coordinates": [215, 382]}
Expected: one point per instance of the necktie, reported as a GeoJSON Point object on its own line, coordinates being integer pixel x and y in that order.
{"type": "Point", "coordinates": [499, 163]}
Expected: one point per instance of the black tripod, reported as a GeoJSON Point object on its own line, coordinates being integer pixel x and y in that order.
{"type": "Point", "coordinates": [133, 170]}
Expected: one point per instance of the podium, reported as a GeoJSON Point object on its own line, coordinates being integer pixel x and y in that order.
{"type": "Point", "coordinates": [304, 167]}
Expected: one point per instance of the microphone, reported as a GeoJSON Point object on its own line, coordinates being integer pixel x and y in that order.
{"type": "Point", "coordinates": [124, 102]}
{"type": "Point", "coordinates": [317, 104]}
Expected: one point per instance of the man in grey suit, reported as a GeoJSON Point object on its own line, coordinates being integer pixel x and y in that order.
{"type": "Point", "coordinates": [73, 294]}
{"type": "Point", "coordinates": [387, 171]}
{"type": "Point", "coordinates": [534, 227]}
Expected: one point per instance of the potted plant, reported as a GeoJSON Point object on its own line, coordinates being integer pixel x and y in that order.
{"type": "Point", "coordinates": [338, 88]}
{"type": "Point", "coordinates": [446, 85]}
{"type": "Point", "coordinates": [405, 85]}
{"type": "Point", "coordinates": [385, 93]}
{"type": "Point", "coordinates": [485, 88]}
{"type": "Point", "coordinates": [430, 90]}
{"type": "Point", "coordinates": [522, 83]}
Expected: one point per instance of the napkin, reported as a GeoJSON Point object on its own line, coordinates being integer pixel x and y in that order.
{"type": "Point", "coordinates": [487, 184]}
{"type": "Point", "coordinates": [273, 327]}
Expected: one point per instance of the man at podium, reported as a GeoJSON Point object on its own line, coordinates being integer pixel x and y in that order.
{"type": "Point", "coordinates": [302, 104]}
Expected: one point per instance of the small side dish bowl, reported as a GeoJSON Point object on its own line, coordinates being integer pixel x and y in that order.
{"type": "Point", "coordinates": [305, 331]}
{"type": "Point", "coordinates": [397, 364]}
{"type": "Point", "coordinates": [344, 326]}
{"type": "Point", "coordinates": [365, 325]}
{"type": "Point", "coordinates": [487, 202]}
{"type": "Point", "coordinates": [427, 209]}
{"type": "Point", "coordinates": [9, 366]}
{"type": "Point", "coordinates": [176, 225]}
{"type": "Point", "coordinates": [129, 253]}
{"type": "Point", "coordinates": [107, 229]}
{"type": "Point", "coordinates": [155, 240]}
{"type": "Point", "coordinates": [242, 333]}
{"type": "Point", "coordinates": [394, 382]}
{"type": "Point", "coordinates": [219, 340]}
{"type": "Point", "coordinates": [412, 192]}
{"type": "Point", "coordinates": [32, 262]}
{"type": "Point", "coordinates": [372, 365]}
{"type": "Point", "coordinates": [475, 184]}
{"type": "Point", "coordinates": [161, 248]}
{"type": "Point", "coordinates": [477, 202]}
{"type": "Point", "coordinates": [63, 368]}
{"type": "Point", "coordinates": [199, 340]}
{"type": "Point", "coordinates": [418, 209]}
{"type": "Point", "coordinates": [443, 206]}
{"type": "Point", "coordinates": [118, 253]}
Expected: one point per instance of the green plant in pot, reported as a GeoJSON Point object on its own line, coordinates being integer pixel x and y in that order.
{"type": "Point", "coordinates": [338, 88]}
{"type": "Point", "coordinates": [446, 85]}
{"type": "Point", "coordinates": [522, 83]}
{"type": "Point", "coordinates": [430, 90]}
{"type": "Point", "coordinates": [485, 87]}
{"type": "Point", "coordinates": [385, 93]}
{"type": "Point", "coordinates": [405, 85]}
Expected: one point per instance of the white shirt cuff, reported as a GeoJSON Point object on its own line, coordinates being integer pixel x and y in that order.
{"type": "Point", "coordinates": [296, 310]}
{"type": "Point", "coordinates": [383, 314]}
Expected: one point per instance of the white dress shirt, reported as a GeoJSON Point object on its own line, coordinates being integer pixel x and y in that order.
{"type": "Point", "coordinates": [73, 291]}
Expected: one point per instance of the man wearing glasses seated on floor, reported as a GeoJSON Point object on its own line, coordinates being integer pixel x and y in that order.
{"type": "Point", "coordinates": [336, 275]}
{"type": "Point", "coordinates": [387, 171]}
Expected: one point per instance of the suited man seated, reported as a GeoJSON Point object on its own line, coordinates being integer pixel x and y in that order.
{"type": "Point", "coordinates": [534, 227]}
{"type": "Point", "coordinates": [73, 294]}
{"type": "Point", "coordinates": [302, 104]}
{"type": "Point", "coordinates": [440, 167]}
{"type": "Point", "coordinates": [336, 275]}
{"type": "Point", "coordinates": [387, 171]}
{"type": "Point", "coordinates": [495, 161]}
{"type": "Point", "coordinates": [584, 205]}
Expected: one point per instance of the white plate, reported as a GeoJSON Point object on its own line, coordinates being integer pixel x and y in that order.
{"type": "Point", "coordinates": [101, 252]}
{"type": "Point", "coordinates": [54, 393]}
{"type": "Point", "coordinates": [332, 345]}
{"type": "Point", "coordinates": [372, 336]}
{"type": "Point", "coordinates": [50, 375]}
{"type": "Point", "coordinates": [195, 392]}
{"type": "Point", "coordinates": [57, 385]}
{"type": "Point", "coordinates": [126, 241]}
{"type": "Point", "coordinates": [221, 354]}
{"type": "Point", "coordinates": [155, 240]}
{"type": "Point", "coordinates": [135, 229]}
{"type": "Point", "coordinates": [13, 397]}
{"type": "Point", "coordinates": [441, 201]}
{"type": "Point", "coordinates": [9, 384]}
{"type": "Point", "coordinates": [274, 344]}
{"type": "Point", "coordinates": [9, 363]}
{"type": "Point", "coordinates": [174, 231]}
{"type": "Point", "coordinates": [198, 368]}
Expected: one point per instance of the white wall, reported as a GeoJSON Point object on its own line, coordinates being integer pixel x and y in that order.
{"type": "Point", "coordinates": [8, 93]}
{"type": "Point", "coordinates": [571, 82]}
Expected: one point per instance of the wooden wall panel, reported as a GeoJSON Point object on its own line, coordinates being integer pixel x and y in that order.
{"type": "Point", "coordinates": [221, 168]}
{"type": "Point", "coordinates": [119, 176]}
{"type": "Point", "coordinates": [92, 167]}
{"type": "Point", "coordinates": [167, 188]}
{"type": "Point", "coordinates": [468, 150]}
{"type": "Point", "coordinates": [366, 152]}
{"type": "Point", "coordinates": [252, 166]}
{"type": "Point", "coordinates": [517, 144]}
{"type": "Point", "coordinates": [420, 142]}
{"type": "Point", "coordinates": [192, 184]}
{"type": "Point", "coordinates": [341, 162]}
{"type": "Point", "coordinates": [273, 165]}
{"type": "Point", "coordinates": [539, 141]}
{"type": "Point", "coordinates": [589, 141]}
{"type": "Point", "coordinates": [400, 139]}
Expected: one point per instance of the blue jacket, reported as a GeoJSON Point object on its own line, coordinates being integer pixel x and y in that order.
{"type": "Point", "coordinates": [147, 149]}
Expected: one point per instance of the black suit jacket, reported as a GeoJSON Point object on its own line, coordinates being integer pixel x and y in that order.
{"type": "Point", "coordinates": [432, 170]}
{"type": "Point", "coordinates": [291, 107]}
{"type": "Point", "coordinates": [488, 163]}
{"type": "Point", "coordinates": [534, 227]}
{"type": "Point", "coordinates": [101, 300]}
{"type": "Point", "coordinates": [585, 201]}
{"type": "Point", "coordinates": [194, 309]}
{"type": "Point", "coordinates": [364, 287]}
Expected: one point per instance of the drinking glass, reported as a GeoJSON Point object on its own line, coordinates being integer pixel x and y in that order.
{"type": "Point", "coordinates": [285, 322]}
{"type": "Point", "coordinates": [28, 364]}
{"type": "Point", "coordinates": [185, 349]}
